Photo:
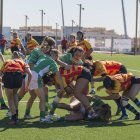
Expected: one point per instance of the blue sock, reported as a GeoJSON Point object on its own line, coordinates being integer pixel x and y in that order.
{"type": "Point", "coordinates": [118, 102]}
{"type": "Point", "coordinates": [124, 111]}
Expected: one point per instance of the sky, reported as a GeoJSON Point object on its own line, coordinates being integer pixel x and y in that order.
{"type": "Point", "coordinates": [96, 13]}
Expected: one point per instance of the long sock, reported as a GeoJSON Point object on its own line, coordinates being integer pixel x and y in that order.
{"type": "Point", "coordinates": [46, 97]}
{"type": "Point", "coordinates": [19, 98]}
{"type": "Point", "coordinates": [117, 101]}
{"type": "Point", "coordinates": [119, 105]}
{"type": "Point", "coordinates": [17, 112]}
{"type": "Point", "coordinates": [42, 114]}
{"type": "Point", "coordinates": [2, 101]}
{"type": "Point", "coordinates": [137, 102]}
{"type": "Point", "coordinates": [14, 117]}
{"type": "Point", "coordinates": [132, 109]}
{"type": "Point", "coordinates": [53, 108]}
{"type": "Point", "coordinates": [46, 105]}
{"type": "Point", "coordinates": [27, 112]}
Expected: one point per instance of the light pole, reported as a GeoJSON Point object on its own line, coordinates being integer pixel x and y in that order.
{"type": "Point", "coordinates": [81, 8]}
{"type": "Point", "coordinates": [136, 29]}
{"type": "Point", "coordinates": [26, 25]}
{"type": "Point", "coordinates": [42, 14]}
{"type": "Point", "coordinates": [124, 20]}
{"type": "Point", "coordinates": [1, 16]}
{"type": "Point", "coordinates": [56, 33]}
{"type": "Point", "coordinates": [73, 22]}
{"type": "Point", "coordinates": [63, 23]}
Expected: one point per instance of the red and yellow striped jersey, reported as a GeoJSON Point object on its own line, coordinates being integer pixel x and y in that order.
{"type": "Point", "coordinates": [15, 42]}
{"type": "Point", "coordinates": [122, 82]}
{"type": "Point", "coordinates": [85, 45]}
{"type": "Point", "coordinates": [31, 44]}
{"type": "Point", "coordinates": [14, 65]}
{"type": "Point", "coordinates": [106, 67]}
{"type": "Point", "coordinates": [72, 44]}
{"type": "Point", "coordinates": [70, 75]}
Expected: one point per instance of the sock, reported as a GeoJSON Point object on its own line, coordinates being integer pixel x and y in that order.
{"type": "Point", "coordinates": [42, 114]}
{"type": "Point", "coordinates": [19, 98]}
{"type": "Point", "coordinates": [119, 105]}
{"type": "Point", "coordinates": [132, 109]}
{"type": "Point", "coordinates": [118, 102]}
{"type": "Point", "coordinates": [123, 111]}
{"type": "Point", "coordinates": [46, 97]}
{"type": "Point", "coordinates": [2, 101]}
{"type": "Point", "coordinates": [53, 108]}
{"type": "Point", "coordinates": [27, 112]}
{"type": "Point", "coordinates": [14, 117]}
{"type": "Point", "coordinates": [17, 112]}
{"type": "Point", "coordinates": [46, 105]}
{"type": "Point", "coordinates": [137, 102]}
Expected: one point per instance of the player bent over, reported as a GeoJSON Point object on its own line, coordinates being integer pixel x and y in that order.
{"type": "Point", "coordinates": [129, 85]}
{"type": "Point", "coordinates": [42, 66]}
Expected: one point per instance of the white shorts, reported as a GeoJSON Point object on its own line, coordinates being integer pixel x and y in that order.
{"type": "Point", "coordinates": [36, 81]}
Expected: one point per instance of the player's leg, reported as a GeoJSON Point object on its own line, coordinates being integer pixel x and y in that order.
{"type": "Point", "coordinates": [2, 102]}
{"type": "Point", "coordinates": [29, 104]}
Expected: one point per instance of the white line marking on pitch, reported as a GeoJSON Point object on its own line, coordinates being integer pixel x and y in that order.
{"type": "Point", "coordinates": [134, 70]}
{"type": "Point", "coordinates": [25, 101]}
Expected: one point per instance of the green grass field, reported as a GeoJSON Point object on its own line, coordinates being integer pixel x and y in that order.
{"type": "Point", "coordinates": [83, 130]}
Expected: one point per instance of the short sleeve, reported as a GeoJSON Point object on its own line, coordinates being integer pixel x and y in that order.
{"type": "Point", "coordinates": [67, 58]}
{"type": "Point", "coordinates": [18, 41]}
{"type": "Point", "coordinates": [33, 57]}
{"type": "Point", "coordinates": [54, 67]}
{"type": "Point", "coordinates": [87, 44]}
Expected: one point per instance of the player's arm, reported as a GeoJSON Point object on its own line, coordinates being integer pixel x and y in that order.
{"type": "Point", "coordinates": [63, 64]}
{"type": "Point", "coordinates": [99, 79]}
{"type": "Point", "coordinates": [110, 97]}
{"type": "Point", "coordinates": [21, 46]}
{"type": "Point", "coordinates": [2, 58]}
{"type": "Point", "coordinates": [59, 80]}
{"type": "Point", "coordinates": [28, 71]}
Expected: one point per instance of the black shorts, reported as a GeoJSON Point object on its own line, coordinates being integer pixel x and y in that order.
{"type": "Point", "coordinates": [89, 57]}
{"type": "Point", "coordinates": [85, 74]}
{"type": "Point", "coordinates": [123, 69]}
{"type": "Point", "coordinates": [24, 76]}
{"type": "Point", "coordinates": [135, 80]}
{"type": "Point", "coordinates": [12, 80]}
{"type": "Point", "coordinates": [14, 49]}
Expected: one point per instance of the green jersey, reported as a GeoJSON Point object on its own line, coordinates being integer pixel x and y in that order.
{"type": "Point", "coordinates": [67, 58]}
{"type": "Point", "coordinates": [45, 65]}
{"type": "Point", "coordinates": [35, 55]}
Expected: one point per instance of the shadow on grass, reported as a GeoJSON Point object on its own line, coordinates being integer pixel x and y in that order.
{"type": "Point", "coordinates": [36, 124]}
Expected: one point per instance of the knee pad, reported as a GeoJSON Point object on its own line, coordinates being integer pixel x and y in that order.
{"type": "Point", "coordinates": [124, 101]}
